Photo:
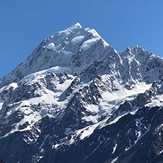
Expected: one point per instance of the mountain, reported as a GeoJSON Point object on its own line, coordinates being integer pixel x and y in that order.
{"type": "Point", "coordinates": [77, 100]}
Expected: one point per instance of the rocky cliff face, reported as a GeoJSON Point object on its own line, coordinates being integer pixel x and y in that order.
{"type": "Point", "coordinates": [77, 100]}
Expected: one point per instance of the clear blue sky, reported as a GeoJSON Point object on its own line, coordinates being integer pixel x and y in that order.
{"type": "Point", "coordinates": [122, 23]}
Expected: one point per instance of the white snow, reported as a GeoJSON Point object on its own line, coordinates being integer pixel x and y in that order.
{"type": "Point", "coordinates": [117, 118]}
{"type": "Point", "coordinates": [63, 86]}
{"type": "Point", "coordinates": [92, 108]}
{"type": "Point", "coordinates": [114, 160]}
{"type": "Point", "coordinates": [127, 148]}
{"type": "Point", "coordinates": [51, 46]}
{"type": "Point", "coordinates": [30, 117]}
{"type": "Point", "coordinates": [58, 49]}
{"type": "Point", "coordinates": [35, 76]}
{"type": "Point", "coordinates": [111, 101]}
{"type": "Point", "coordinates": [161, 152]}
{"type": "Point", "coordinates": [89, 43]}
{"type": "Point", "coordinates": [81, 133]}
{"type": "Point", "coordinates": [114, 148]}
{"type": "Point", "coordinates": [6, 95]}
{"type": "Point", "coordinates": [91, 118]}
{"type": "Point", "coordinates": [77, 40]}
{"type": "Point", "coordinates": [49, 101]}
{"type": "Point", "coordinates": [1, 105]}
{"type": "Point", "coordinates": [76, 26]}
{"type": "Point", "coordinates": [123, 93]}
{"type": "Point", "coordinates": [13, 85]}
{"type": "Point", "coordinates": [86, 132]}
{"type": "Point", "coordinates": [68, 31]}
{"type": "Point", "coordinates": [94, 33]}
{"type": "Point", "coordinates": [156, 101]}
{"type": "Point", "coordinates": [153, 103]}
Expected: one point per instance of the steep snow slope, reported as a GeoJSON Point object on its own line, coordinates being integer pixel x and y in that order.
{"type": "Point", "coordinates": [75, 94]}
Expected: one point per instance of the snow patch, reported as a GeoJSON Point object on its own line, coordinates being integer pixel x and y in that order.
{"type": "Point", "coordinates": [157, 101]}
{"type": "Point", "coordinates": [117, 118]}
{"type": "Point", "coordinates": [114, 160]}
{"type": "Point", "coordinates": [77, 40]}
{"type": "Point", "coordinates": [93, 32]}
{"type": "Point", "coordinates": [13, 85]}
{"type": "Point", "coordinates": [51, 46]}
{"type": "Point", "coordinates": [123, 93]}
{"type": "Point", "coordinates": [1, 105]}
{"type": "Point", "coordinates": [89, 43]}
{"type": "Point", "coordinates": [92, 108]}
{"type": "Point", "coordinates": [86, 132]}
{"type": "Point", "coordinates": [76, 26]}
{"type": "Point", "coordinates": [114, 148]}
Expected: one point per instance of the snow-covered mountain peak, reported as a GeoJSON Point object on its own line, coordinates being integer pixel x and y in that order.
{"type": "Point", "coordinates": [74, 29]}
{"type": "Point", "coordinates": [75, 48]}
{"type": "Point", "coordinates": [142, 65]}
{"type": "Point", "coordinates": [77, 25]}
{"type": "Point", "coordinates": [138, 53]}
{"type": "Point", "coordinates": [136, 50]}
